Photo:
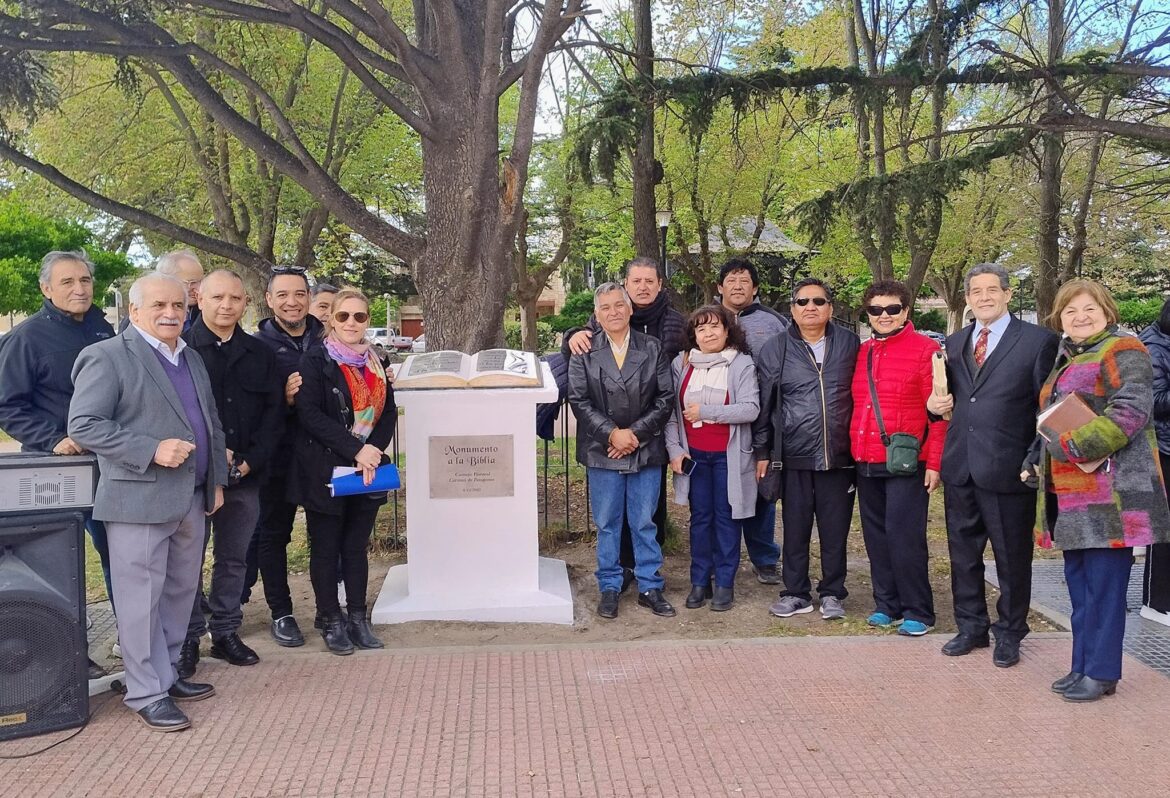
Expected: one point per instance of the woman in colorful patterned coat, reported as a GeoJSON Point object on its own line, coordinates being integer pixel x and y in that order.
{"type": "Point", "coordinates": [1097, 518]}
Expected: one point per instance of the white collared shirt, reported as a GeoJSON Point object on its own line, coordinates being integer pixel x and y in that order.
{"type": "Point", "coordinates": [619, 348]}
{"type": "Point", "coordinates": [155, 343]}
{"type": "Point", "coordinates": [997, 328]}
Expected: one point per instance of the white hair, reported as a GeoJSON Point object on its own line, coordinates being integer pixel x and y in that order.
{"type": "Point", "coordinates": [155, 277]}
{"type": "Point", "coordinates": [609, 288]}
{"type": "Point", "coordinates": [168, 262]}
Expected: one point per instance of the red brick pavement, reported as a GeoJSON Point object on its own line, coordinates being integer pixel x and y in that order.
{"type": "Point", "coordinates": [818, 717]}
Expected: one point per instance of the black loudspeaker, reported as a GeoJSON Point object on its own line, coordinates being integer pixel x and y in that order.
{"type": "Point", "coordinates": [43, 659]}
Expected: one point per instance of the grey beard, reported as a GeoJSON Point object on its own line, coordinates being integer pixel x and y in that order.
{"type": "Point", "coordinates": [291, 326]}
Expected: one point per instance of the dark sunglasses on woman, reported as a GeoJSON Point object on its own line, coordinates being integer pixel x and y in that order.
{"type": "Point", "coordinates": [819, 301]}
{"type": "Point", "coordinates": [889, 310]}
{"type": "Point", "coordinates": [342, 316]}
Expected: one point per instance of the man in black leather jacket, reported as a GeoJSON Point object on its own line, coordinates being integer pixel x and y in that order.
{"type": "Point", "coordinates": [620, 391]}
{"type": "Point", "coordinates": [806, 375]}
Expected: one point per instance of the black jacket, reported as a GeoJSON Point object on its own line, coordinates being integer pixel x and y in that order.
{"type": "Point", "coordinates": [993, 424]}
{"type": "Point", "coordinates": [638, 398]}
{"type": "Point", "coordinates": [323, 438]}
{"type": "Point", "coordinates": [249, 394]}
{"type": "Point", "coordinates": [1158, 343]}
{"type": "Point", "coordinates": [811, 404]}
{"type": "Point", "coordinates": [36, 367]}
{"type": "Point", "coordinates": [288, 351]}
{"type": "Point", "coordinates": [659, 320]}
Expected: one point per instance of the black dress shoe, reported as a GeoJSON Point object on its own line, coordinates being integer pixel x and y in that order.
{"type": "Point", "coordinates": [608, 606]}
{"type": "Point", "coordinates": [628, 578]}
{"type": "Point", "coordinates": [183, 690]}
{"type": "Point", "coordinates": [1066, 681]}
{"type": "Point", "coordinates": [1006, 654]}
{"type": "Point", "coordinates": [657, 603]}
{"type": "Point", "coordinates": [360, 631]}
{"type": "Point", "coordinates": [1089, 689]}
{"type": "Point", "coordinates": [286, 632]}
{"type": "Point", "coordinates": [95, 671]}
{"type": "Point", "coordinates": [164, 716]}
{"type": "Point", "coordinates": [767, 574]}
{"type": "Point", "coordinates": [233, 649]}
{"type": "Point", "coordinates": [336, 636]}
{"type": "Point", "coordinates": [698, 596]}
{"type": "Point", "coordinates": [963, 643]}
{"type": "Point", "coordinates": [188, 658]}
{"type": "Point", "coordinates": [723, 600]}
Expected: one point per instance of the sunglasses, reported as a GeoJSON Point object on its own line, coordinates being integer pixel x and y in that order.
{"type": "Point", "coordinates": [342, 316]}
{"type": "Point", "coordinates": [819, 301]}
{"type": "Point", "coordinates": [889, 310]}
{"type": "Point", "coordinates": [288, 270]}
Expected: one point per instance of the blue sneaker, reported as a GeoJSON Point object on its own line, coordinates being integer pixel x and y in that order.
{"type": "Point", "coordinates": [881, 619]}
{"type": "Point", "coordinates": [913, 628]}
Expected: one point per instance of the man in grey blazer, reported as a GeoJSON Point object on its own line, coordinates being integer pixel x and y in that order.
{"type": "Point", "coordinates": [143, 404]}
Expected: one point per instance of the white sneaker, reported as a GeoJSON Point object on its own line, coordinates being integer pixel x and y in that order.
{"type": "Point", "coordinates": [116, 650]}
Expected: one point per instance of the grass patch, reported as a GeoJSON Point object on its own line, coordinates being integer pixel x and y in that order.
{"type": "Point", "coordinates": [786, 630]}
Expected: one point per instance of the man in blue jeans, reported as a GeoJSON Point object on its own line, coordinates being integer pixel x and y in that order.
{"type": "Point", "coordinates": [620, 391]}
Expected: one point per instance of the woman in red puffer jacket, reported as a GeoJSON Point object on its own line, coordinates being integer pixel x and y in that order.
{"type": "Point", "coordinates": [893, 507]}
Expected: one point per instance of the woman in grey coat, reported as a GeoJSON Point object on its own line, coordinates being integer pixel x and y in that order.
{"type": "Point", "coordinates": [709, 441]}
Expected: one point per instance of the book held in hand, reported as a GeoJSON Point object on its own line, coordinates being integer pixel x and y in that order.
{"type": "Point", "coordinates": [1070, 413]}
{"type": "Point", "coordinates": [491, 368]}
{"type": "Point", "coordinates": [348, 481]}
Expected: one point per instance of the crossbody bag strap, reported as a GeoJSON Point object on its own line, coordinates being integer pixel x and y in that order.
{"type": "Point", "coordinates": [877, 408]}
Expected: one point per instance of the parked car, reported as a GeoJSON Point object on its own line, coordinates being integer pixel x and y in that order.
{"type": "Point", "coordinates": [378, 336]}
{"type": "Point", "coordinates": [402, 343]}
{"type": "Point", "coordinates": [938, 337]}
{"type": "Point", "coordinates": [419, 344]}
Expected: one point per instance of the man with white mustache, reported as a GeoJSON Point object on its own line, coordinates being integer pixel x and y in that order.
{"type": "Point", "coordinates": [143, 404]}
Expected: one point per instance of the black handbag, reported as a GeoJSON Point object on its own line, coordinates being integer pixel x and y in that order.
{"type": "Point", "coordinates": [771, 487]}
{"type": "Point", "coordinates": [901, 448]}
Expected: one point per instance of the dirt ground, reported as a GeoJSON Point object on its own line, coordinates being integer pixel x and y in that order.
{"type": "Point", "coordinates": [749, 618]}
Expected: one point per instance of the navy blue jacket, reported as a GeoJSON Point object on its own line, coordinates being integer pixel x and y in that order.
{"type": "Point", "coordinates": [36, 367]}
{"type": "Point", "coordinates": [288, 351]}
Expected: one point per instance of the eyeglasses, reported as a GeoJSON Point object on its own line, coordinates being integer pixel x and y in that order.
{"type": "Point", "coordinates": [289, 269]}
{"type": "Point", "coordinates": [819, 301]}
{"type": "Point", "coordinates": [342, 316]}
{"type": "Point", "coordinates": [889, 310]}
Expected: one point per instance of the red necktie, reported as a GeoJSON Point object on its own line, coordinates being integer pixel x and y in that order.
{"type": "Point", "coordinates": [981, 346]}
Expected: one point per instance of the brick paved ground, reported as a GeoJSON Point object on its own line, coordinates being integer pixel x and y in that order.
{"type": "Point", "coordinates": [816, 717]}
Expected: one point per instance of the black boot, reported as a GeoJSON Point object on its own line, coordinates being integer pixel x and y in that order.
{"type": "Point", "coordinates": [360, 632]}
{"type": "Point", "coordinates": [335, 635]}
{"type": "Point", "coordinates": [723, 599]}
{"type": "Point", "coordinates": [698, 596]}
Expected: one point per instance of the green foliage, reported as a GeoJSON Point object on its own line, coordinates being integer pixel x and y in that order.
{"type": "Point", "coordinates": [929, 320]}
{"type": "Point", "coordinates": [1139, 313]}
{"type": "Point", "coordinates": [546, 338]}
{"type": "Point", "coordinates": [576, 312]}
{"type": "Point", "coordinates": [26, 237]}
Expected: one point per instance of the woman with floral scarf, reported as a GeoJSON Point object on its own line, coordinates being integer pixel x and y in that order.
{"type": "Point", "coordinates": [347, 417]}
{"type": "Point", "coordinates": [709, 440]}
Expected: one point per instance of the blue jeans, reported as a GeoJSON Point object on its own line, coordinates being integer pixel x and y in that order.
{"type": "Point", "coordinates": [714, 533]}
{"type": "Point", "coordinates": [614, 495]}
{"type": "Point", "coordinates": [97, 534]}
{"type": "Point", "coordinates": [1097, 582]}
{"type": "Point", "coordinates": [759, 535]}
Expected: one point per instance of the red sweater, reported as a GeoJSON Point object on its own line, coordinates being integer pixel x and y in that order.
{"type": "Point", "coordinates": [902, 374]}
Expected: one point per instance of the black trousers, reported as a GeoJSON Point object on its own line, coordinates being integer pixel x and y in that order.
{"type": "Point", "coordinates": [347, 535]}
{"type": "Point", "coordinates": [273, 537]}
{"type": "Point", "coordinates": [827, 497]}
{"type": "Point", "coordinates": [974, 517]}
{"type": "Point", "coordinates": [1156, 581]}
{"type": "Point", "coordinates": [893, 523]}
{"type": "Point", "coordinates": [626, 551]}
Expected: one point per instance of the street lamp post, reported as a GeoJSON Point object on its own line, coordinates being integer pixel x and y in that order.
{"type": "Point", "coordinates": [663, 219]}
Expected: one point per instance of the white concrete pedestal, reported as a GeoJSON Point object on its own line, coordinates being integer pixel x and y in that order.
{"type": "Point", "coordinates": [474, 558]}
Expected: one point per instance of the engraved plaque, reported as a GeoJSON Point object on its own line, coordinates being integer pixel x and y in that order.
{"type": "Point", "coordinates": [471, 466]}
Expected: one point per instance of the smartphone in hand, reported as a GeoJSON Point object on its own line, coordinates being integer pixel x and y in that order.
{"type": "Point", "coordinates": [688, 466]}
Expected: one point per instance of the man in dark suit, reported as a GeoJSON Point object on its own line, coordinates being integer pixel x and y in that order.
{"type": "Point", "coordinates": [995, 369]}
{"type": "Point", "coordinates": [143, 404]}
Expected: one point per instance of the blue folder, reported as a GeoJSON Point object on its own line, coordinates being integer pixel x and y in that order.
{"type": "Point", "coordinates": [385, 478]}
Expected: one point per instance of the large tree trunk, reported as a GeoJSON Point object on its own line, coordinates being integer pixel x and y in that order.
{"type": "Point", "coordinates": [1048, 235]}
{"type": "Point", "coordinates": [644, 173]}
